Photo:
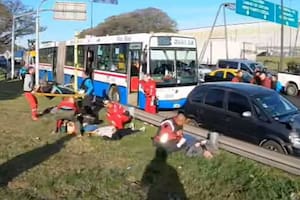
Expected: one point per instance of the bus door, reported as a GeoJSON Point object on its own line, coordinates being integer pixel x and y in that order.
{"type": "Point", "coordinates": [54, 63]}
{"type": "Point", "coordinates": [90, 59]}
{"type": "Point", "coordinates": [134, 63]}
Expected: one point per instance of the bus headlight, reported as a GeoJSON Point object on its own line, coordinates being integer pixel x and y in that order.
{"type": "Point", "coordinates": [295, 139]}
{"type": "Point", "coordinates": [164, 138]}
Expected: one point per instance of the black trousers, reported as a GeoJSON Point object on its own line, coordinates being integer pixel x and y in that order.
{"type": "Point", "coordinates": [119, 134]}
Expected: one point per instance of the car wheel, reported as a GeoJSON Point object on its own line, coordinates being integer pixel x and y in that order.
{"type": "Point", "coordinates": [192, 122]}
{"type": "Point", "coordinates": [273, 146]}
{"type": "Point", "coordinates": [113, 94]}
{"type": "Point", "coordinates": [292, 89]}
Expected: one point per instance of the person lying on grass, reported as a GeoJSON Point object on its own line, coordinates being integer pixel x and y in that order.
{"type": "Point", "coordinates": [171, 138]}
{"type": "Point", "coordinates": [112, 133]}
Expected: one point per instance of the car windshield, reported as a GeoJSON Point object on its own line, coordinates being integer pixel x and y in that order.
{"type": "Point", "coordinates": [275, 105]}
{"type": "Point", "coordinates": [173, 66]}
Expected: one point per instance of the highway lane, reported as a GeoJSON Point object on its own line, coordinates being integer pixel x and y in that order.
{"type": "Point", "coordinates": [294, 100]}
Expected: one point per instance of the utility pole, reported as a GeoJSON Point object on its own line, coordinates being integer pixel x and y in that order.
{"type": "Point", "coordinates": [282, 37]}
{"type": "Point", "coordinates": [92, 13]}
{"type": "Point", "coordinates": [225, 26]}
{"type": "Point", "coordinates": [12, 57]}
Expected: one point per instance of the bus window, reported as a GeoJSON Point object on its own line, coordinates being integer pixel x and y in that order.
{"type": "Point", "coordinates": [119, 57]}
{"type": "Point", "coordinates": [162, 66]}
{"type": "Point", "coordinates": [69, 56]}
{"type": "Point", "coordinates": [186, 66]}
{"type": "Point", "coordinates": [80, 56]}
{"type": "Point", "coordinates": [103, 58]}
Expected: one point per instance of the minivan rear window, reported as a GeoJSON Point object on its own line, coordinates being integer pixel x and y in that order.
{"type": "Point", "coordinates": [228, 64]}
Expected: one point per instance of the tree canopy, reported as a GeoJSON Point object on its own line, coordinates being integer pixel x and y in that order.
{"type": "Point", "coordinates": [24, 25]}
{"type": "Point", "coordinates": [139, 21]}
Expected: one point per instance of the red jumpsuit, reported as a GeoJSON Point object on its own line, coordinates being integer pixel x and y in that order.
{"type": "Point", "coordinates": [32, 100]}
{"type": "Point", "coordinates": [116, 115]}
{"type": "Point", "coordinates": [149, 88]}
{"type": "Point", "coordinates": [170, 128]}
{"type": "Point", "coordinates": [67, 105]}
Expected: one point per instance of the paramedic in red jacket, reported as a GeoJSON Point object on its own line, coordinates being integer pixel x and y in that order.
{"type": "Point", "coordinates": [170, 134]}
{"type": "Point", "coordinates": [265, 81]}
{"type": "Point", "coordinates": [116, 114]}
{"type": "Point", "coordinates": [239, 77]}
{"type": "Point", "coordinates": [65, 110]}
{"type": "Point", "coordinates": [29, 89]}
{"type": "Point", "coordinates": [149, 87]}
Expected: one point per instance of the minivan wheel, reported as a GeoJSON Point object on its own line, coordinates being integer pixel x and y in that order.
{"type": "Point", "coordinates": [292, 89]}
{"type": "Point", "coordinates": [273, 146]}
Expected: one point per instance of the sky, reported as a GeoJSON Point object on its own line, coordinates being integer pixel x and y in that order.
{"type": "Point", "coordinates": [187, 14]}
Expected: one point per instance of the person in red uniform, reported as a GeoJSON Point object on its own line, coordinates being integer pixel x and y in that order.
{"type": "Point", "coordinates": [65, 110]}
{"type": "Point", "coordinates": [29, 89]}
{"type": "Point", "coordinates": [170, 133]}
{"type": "Point", "coordinates": [149, 88]}
{"type": "Point", "coordinates": [239, 77]}
{"type": "Point", "coordinates": [117, 115]}
{"type": "Point", "coordinates": [265, 81]}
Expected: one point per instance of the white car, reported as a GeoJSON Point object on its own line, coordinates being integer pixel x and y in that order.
{"type": "Point", "coordinates": [202, 71]}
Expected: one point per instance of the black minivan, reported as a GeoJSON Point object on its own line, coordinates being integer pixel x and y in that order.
{"type": "Point", "coordinates": [247, 112]}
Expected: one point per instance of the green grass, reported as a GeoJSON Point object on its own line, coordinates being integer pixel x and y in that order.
{"type": "Point", "coordinates": [272, 63]}
{"type": "Point", "coordinates": [37, 165]}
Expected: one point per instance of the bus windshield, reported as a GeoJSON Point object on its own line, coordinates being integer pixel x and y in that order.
{"type": "Point", "coordinates": [173, 67]}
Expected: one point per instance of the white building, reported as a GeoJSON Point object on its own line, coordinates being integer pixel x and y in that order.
{"type": "Point", "coordinates": [265, 35]}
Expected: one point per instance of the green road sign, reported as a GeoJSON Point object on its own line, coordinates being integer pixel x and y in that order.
{"type": "Point", "coordinates": [290, 16]}
{"type": "Point", "coordinates": [266, 10]}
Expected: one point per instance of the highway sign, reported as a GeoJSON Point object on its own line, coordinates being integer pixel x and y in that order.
{"type": "Point", "coordinates": [256, 8]}
{"type": "Point", "coordinates": [267, 10]}
{"type": "Point", "coordinates": [290, 16]}
{"type": "Point", "coordinates": [70, 11]}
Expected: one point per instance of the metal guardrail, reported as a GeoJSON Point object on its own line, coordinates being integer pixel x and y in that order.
{"type": "Point", "coordinates": [253, 152]}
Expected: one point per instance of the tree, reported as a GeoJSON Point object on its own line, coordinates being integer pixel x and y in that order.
{"type": "Point", "coordinates": [24, 25]}
{"type": "Point", "coordinates": [139, 21]}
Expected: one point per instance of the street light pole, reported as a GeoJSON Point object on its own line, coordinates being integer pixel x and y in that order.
{"type": "Point", "coordinates": [226, 35]}
{"type": "Point", "coordinates": [12, 57]}
{"type": "Point", "coordinates": [37, 43]}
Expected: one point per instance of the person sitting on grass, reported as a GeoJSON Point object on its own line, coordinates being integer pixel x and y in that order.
{"type": "Point", "coordinates": [117, 115]}
{"type": "Point", "coordinates": [67, 109]}
{"type": "Point", "coordinates": [171, 138]}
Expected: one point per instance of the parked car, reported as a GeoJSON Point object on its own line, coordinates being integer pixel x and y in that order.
{"type": "Point", "coordinates": [247, 112]}
{"type": "Point", "coordinates": [245, 65]}
{"type": "Point", "coordinates": [202, 71]}
{"type": "Point", "coordinates": [226, 75]}
{"type": "Point", "coordinates": [3, 62]}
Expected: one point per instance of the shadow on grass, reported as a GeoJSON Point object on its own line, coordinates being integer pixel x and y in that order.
{"type": "Point", "coordinates": [23, 162]}
{"type": "Point", "coordinates": [161, 179]}
{"type": "Point", "coordinates": [10, 89]}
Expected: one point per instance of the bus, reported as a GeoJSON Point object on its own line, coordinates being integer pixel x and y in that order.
{"type": "Point", "coordinates": [117, 64]}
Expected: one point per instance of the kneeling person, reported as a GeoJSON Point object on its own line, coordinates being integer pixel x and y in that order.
{"type": "Point", "coordinates": [117, 115]}
{"type": "Point", "coordinates": [171, 138]}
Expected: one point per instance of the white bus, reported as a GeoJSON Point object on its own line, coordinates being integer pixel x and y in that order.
{"type": "Point", "coordinates": [117, 64]}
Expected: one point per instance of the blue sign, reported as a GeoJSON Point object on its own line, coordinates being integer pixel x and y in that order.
{"type": "Point", "coordinates": [266, 10]}
{"type": "Point", "coordinates": [290, 16]}
{"type": "Point", "coordinates": [256, 8]}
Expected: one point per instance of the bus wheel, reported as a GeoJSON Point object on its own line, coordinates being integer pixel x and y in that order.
{"type": "Point", "coordinates": [113, 94]}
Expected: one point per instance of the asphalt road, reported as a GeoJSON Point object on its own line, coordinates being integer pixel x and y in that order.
{"type": "Point", "coordinates": [294, 100]}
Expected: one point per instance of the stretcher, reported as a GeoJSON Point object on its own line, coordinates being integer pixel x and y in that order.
{"type": "Point", "coordinates": [58, 95]}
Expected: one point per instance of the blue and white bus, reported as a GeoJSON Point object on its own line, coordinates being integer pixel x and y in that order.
{"type": "Point", "coordinates": [117, 64]}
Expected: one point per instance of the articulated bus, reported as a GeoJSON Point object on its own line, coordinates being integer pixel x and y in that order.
{"type": "Point", "coordinates": [117, 64]}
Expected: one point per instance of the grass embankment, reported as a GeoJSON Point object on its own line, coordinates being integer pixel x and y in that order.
{"type": "Point", "coordinates": [37, 165]}
{"type": "Point", "coordinates": [272, 63]}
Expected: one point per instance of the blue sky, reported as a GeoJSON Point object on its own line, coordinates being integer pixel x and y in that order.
{"type": "Point", "coordinates": [187, 14]}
